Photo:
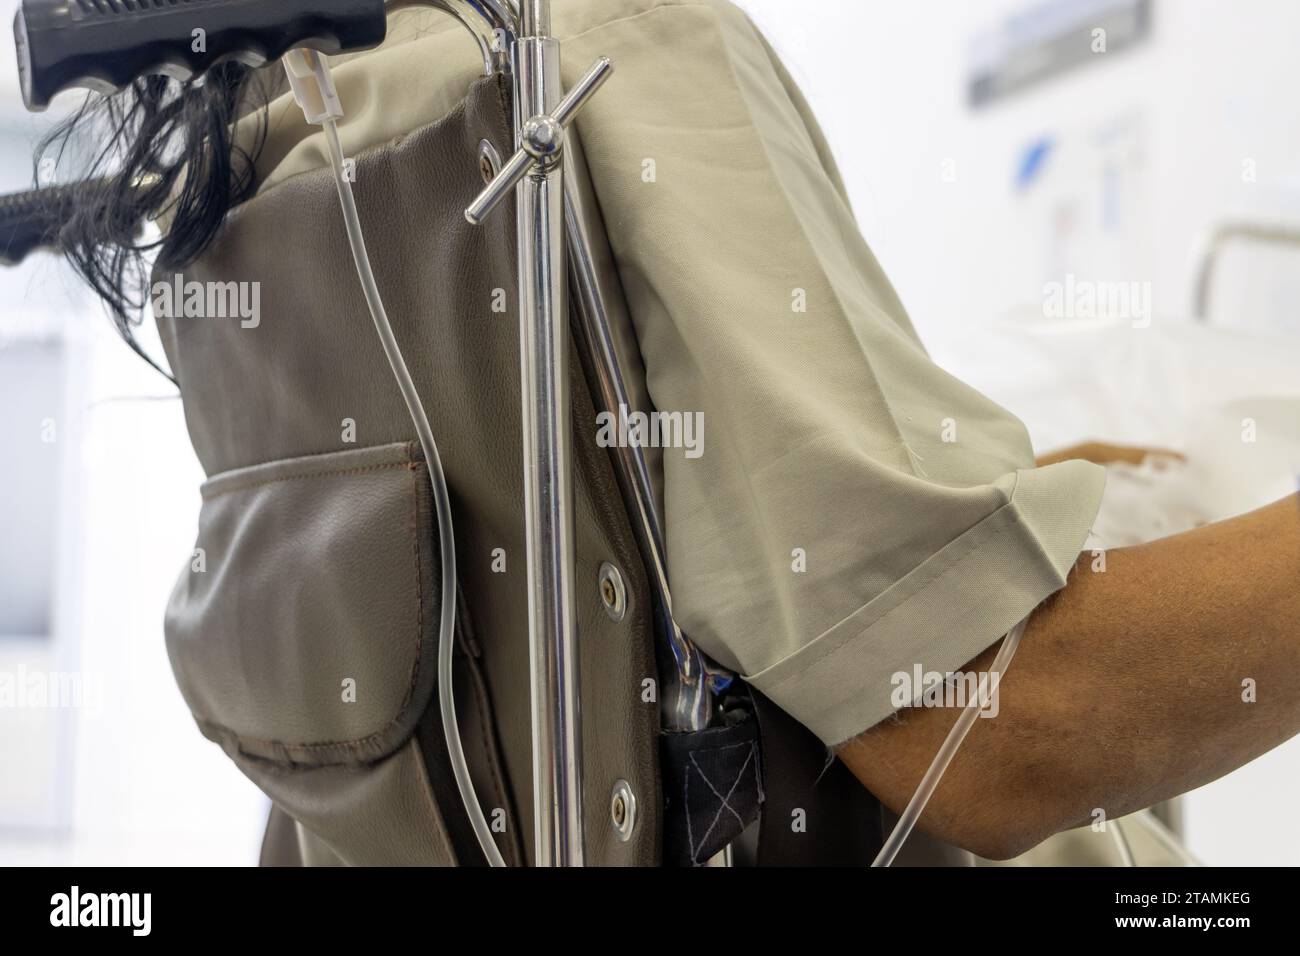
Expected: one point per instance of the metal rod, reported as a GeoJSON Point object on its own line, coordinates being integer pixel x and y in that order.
{"type": "Point", "coordinates": [687, 701]}
{"type": "Point", "coordinates": [583, 90]}
{"type": "Point", "coordinates": [491, 22]}
{"type": "Point", "coordinates": [548, 489]}
{"type": "Point", "coordinates": [503, 184]}
{"type": "Point", "coordinates": [535, 18]}
{"type": "Point", "coordinates": [522, 162]}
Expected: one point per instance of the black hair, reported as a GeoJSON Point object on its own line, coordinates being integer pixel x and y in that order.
{"type": "Point", "coordinates": [159, 147]}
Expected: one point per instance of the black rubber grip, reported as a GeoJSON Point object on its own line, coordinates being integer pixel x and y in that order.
{"type": "Point", "coordinates": [31, 220]}
{"type": "Point", "coordinates": [105, 44]}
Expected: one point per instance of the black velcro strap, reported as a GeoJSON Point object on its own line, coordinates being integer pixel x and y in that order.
{"type": "Point", "coordinates": [712, 786]}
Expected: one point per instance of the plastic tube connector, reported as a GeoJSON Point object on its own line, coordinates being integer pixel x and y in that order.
{"type": "Point", "coordinates": [313, 85]}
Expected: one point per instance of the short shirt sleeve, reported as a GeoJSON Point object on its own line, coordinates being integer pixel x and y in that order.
{"type": "Point", "coordinates": [850, 511]}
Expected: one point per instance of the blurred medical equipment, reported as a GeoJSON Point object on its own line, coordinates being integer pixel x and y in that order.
{"type": "Point", "coordinates": [1039, 41]}
{"type": "Point", "coordinates": [1220, 236]}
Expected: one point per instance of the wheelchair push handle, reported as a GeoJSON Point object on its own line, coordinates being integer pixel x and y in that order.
{"type": "Point", "coordinates": [104, 45]}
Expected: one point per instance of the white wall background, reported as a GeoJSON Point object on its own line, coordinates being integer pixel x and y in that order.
{"type": "Point", "coordinates": [1205, 95]}
{"type": "Point", "coordinates": [123, 777]}
{"type": "Point", "coordinates": [1211, 91]}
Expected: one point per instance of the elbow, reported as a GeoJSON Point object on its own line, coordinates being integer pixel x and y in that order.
{"type": "Point", "coordinates": [1005, 841]}
{"type": "Point", "coordinates": [1033, 772]}
{"type": "Point", "coordinates": [1011, 811]}
{"type": "Point", "coordinates": [992, 836]}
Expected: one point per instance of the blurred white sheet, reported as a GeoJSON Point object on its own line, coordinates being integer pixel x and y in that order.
{"type": "Point", "coordinates": [1070, 380]}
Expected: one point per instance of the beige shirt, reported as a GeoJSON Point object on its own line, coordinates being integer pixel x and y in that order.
{"type": "Point", "coordinates": [853, 511]}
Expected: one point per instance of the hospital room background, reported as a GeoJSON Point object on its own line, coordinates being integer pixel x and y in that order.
{"type": "Point", "coordinates": [1091, 209]}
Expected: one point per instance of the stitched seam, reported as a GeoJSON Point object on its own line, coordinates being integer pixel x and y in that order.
{"type": "Point", "coordinates": [457, 112]}
{"type": "Point", "coordinates": [686, 804]}
{"type": "Point", "coordinates": [726, 801]}
{"type": "Point", "coordinates": [922, 586]}
{"type": "Point", "coordinates": [263, 482]}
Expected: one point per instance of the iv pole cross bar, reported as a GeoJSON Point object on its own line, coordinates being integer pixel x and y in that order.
{"type": "Point", "coordinates": [535, 172]}
{"type": "Point", "coordinates": [541, 142]}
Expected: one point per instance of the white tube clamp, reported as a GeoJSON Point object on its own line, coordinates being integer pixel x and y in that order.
{"type": "Point", "coordinates": [313, 85]}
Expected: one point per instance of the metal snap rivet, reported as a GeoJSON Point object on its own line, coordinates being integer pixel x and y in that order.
{"type": "Point", "coordinates": [622, 810]}
{"type": "Point", "coordinates": [489, 160]}
{"type": "Point", "coordinates": [612, 592]}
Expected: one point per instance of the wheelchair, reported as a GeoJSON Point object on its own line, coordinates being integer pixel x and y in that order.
{"type": "Point", "coordinates": [585, 727]}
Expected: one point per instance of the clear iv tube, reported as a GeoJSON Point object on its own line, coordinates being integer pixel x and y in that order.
{"type": "Point", "coordinates": [442, 500]}
{"type": "Point", "coordinates": [966, 720]}
{"type": "Point", "coordinates": [1121, 843]}
{"type": "Point", "coordinates": [1157, 830]}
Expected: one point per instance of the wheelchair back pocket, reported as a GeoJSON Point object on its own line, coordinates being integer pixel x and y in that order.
{"type": "Point", "coordinates": [303, 636]}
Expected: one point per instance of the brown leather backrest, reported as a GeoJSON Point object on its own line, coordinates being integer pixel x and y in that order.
{"type": "Point", "coordinates": [308, 380]}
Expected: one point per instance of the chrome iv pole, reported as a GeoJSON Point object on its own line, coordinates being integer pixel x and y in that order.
{"type": "Point", "coordinates": [536, 174]}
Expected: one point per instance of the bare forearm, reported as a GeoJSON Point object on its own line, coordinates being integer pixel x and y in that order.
{"type": "Point", "coordinates": [1132, 685]}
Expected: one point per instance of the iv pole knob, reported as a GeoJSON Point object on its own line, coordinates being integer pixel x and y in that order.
{"type": "Point", "coordinates": [541, 142]}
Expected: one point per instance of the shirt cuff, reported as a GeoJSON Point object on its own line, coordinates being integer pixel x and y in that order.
{"type": "Point", "coordinates": [947, 610]}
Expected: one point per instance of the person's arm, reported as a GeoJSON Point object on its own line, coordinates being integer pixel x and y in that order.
{"type": "Point", "coordinates": [1130, 687]}
{"type": "Point", "coordinates": [1104, 453]}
